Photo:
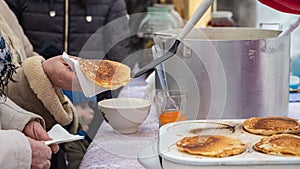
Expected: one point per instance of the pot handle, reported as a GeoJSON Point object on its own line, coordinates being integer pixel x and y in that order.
{"type": "Point", "coordinates": [273, 26]}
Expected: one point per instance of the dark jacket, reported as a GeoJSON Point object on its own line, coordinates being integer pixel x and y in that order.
{"type": "Point", "coordinates": [53, 26]}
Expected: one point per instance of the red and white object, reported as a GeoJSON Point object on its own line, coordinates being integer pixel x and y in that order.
{"type": "Point", "coordinates": [288, 6]}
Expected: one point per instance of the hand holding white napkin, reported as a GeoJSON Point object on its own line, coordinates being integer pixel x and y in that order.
{"type": "Point", "coordinates": [60, 135]}
{"type": "Point", "coordinates": [89, 88]}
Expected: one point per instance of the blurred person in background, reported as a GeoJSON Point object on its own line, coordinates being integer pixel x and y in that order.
{"type": "Point", "coordinates": [84, 108]}
{"type": "Point", "coordinates": [137, 9]}
{"type": "Point", "coordinates": [56, 26]}
{"type": "Point", "coordinates": [35, 84]}
{"type": "Point", "coordinates": [66, 25]}
{"type": "Point", "coordinates": [85, 113]}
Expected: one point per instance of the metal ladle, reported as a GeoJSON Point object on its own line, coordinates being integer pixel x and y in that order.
{"type": "Point", "coordinates": [172, 51]}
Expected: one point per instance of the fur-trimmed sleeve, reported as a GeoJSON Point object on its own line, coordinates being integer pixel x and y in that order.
{"type": "Point", "coordinates": [33, 91]}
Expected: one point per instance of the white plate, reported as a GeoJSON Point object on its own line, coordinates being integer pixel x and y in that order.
{"type": "Point", "coordinates": [148, 157]}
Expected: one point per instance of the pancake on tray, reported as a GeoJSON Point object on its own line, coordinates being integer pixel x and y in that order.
{"type": "Point", "coordinates": [105, 73]}
{"type": "Point", "coordinates": [271, 125]}
{"type": "Point", "coordinates": [279, 144]}
{"type": "Point", "coordinates": [211, 145]}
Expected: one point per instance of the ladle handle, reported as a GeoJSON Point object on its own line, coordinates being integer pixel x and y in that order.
{"type": "Point", "coordinates": [195, 18]}
{"type": "Point", "coordinates": [291, 28]}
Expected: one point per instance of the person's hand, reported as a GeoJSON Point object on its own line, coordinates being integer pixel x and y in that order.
{"type": "Point", "coordinates": [85, 114]}
{"type": "Point", "coordinates": [35, 130]}
{"type": "Point", "coordinates": [60, 74]}
{"type": "Point", "coordinates": [41, 154]}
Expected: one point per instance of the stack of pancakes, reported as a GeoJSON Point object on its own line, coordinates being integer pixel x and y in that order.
{"type": "Point", "coordinates": [281, 131]}
{"type": "Point", "coordinates": [280, 139]}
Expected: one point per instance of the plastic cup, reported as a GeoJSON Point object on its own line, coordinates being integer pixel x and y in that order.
{"type": "Point", "coordinates": [171, 106]}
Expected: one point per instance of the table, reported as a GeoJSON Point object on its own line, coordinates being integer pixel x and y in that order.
{"type": "Point", "coordinates": [115, 151]}
{"type": "Point", "coordinates": [110, 150]}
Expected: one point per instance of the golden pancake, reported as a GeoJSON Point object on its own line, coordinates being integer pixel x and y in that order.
{"type": "Point", "coordinates": [281, 144]}
{"type": "Point", "coordinates": [105, 73]}
{"type": "Point", "coordinates": [211, 145]}
{"type": "Point", "coordinates": [271, 125]}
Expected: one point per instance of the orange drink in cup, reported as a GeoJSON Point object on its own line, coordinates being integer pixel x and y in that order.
{"type": "Point", "coordinates": [169, 116]}
{"type": "Point", "coordinates": [170, 106]}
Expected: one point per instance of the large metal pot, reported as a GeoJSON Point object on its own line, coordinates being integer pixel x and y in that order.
{"type": "Point", "coordinates": [229, 72]}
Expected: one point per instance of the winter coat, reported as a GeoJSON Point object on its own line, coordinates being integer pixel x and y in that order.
{"type": "Point", "coordinates": [14, 146]}
{"type": "Point", "coordinates": [33, 90]}
{"type": "Point", "coordinates": [68, 25]}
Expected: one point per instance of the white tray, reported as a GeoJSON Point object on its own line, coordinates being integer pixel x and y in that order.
{"type": "Point", "coordinates": [173, 158]}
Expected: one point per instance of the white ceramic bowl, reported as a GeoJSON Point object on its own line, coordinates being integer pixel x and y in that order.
{"type": "Point", "coordinates": [124, 115]}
